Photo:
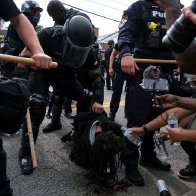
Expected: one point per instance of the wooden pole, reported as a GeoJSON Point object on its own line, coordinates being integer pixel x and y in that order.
{"type": "Point", "coordinates": [155, 61]}
{"type": "Point", "coordinates": [17, 59]}
{"type": "Point", "coordinates": [31, 140]}
{"type": "Point", "coordinates": [29, 61]}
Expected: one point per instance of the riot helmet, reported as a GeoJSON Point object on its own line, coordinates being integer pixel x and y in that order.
{"type": "Point", "coordinates": [78, 41]}
{"type": "Point", "coordinates": [111, 43]}
{"type": "Point", "coordinates": [30, 6]}
{"type": "Point", "coordinates": [32, 11]}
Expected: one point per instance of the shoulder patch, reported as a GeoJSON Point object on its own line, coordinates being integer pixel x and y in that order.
{"type": "Point", "coordinates": [123, 21]}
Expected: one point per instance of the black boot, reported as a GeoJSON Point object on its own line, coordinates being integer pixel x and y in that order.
{"type": "Point", "coordinates": [134, 177]}
{"type": "Point", "coordinates": [188, 172]}
{"type": "Point", "coordinates": [5, 189]}
{"type": "Point", "coordinates": [37, 113]}
{"type": "Point", "coordinates": [56, 116]}
{"type": "Point", "coordinates": [25, 160]}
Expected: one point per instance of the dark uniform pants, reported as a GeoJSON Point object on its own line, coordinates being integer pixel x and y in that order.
{"type": "Point", "coordinates": [108, 79]}
{"type": "Point", "coordinates": [4, 181]}
{"type": "Point", "coordinates": [139, 111]}
{"type": "Point", "coordinates": [118, 82]}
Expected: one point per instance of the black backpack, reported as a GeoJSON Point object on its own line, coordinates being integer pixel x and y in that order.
{"type": "Point", "coordinates": [14, 99]}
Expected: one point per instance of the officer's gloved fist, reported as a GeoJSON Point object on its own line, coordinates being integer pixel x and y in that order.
{"type": "Point", "coordinates": [87, 93]}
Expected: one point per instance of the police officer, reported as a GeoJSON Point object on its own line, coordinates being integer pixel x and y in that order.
{"type": "Point", "coordinates": [141, 31]}
{"type": "Point", "coordinates": [107, 54]}
{"type": "Point", "coordinates": [57, 11]}
{"type": "Point", "coordinates": [118, 82]}
{"type": "Point", "coordinates": [69, 45]}
{"type": "Point", "coordinates": [60, 14]}
{"type": "Point", "coordinates": [13, 43]}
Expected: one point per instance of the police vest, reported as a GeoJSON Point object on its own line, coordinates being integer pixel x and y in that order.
{"type": "Point", "coordinates": [154, 29]}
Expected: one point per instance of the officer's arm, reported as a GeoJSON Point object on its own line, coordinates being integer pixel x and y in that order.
{"type": "Point", "coordinates": [98, 90]}
{"type": "Point", "coordinates": [128, 29]}
{"type": "Point", "coordinates": [27, 34]}
{"type": "Point", "coordinates": [97, 84]}
{"type": "Point", "coordinates": [94, 72]}
{"type": "Point", "coordinates": [125, 37]}
{"type": "Point", "coordinates": [29, 37]}
{"type": "Point", "coordinates": [112, 59]}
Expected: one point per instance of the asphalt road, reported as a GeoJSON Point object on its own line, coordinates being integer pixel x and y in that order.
{"type": "Point", "coordinates": [56, 175]}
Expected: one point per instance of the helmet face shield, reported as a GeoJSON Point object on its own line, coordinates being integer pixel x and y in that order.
{"type": "Point", "coordinates": [74, 56]}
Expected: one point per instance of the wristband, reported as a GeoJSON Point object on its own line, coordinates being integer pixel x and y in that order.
{"type": "Point", "coordinates": [146, 130]}
{"type": "Point", "coordinates": [126, 54]}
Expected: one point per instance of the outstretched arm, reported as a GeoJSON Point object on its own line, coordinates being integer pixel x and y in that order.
{"type": "Point", "coordinates": [161, 120]}
{"type": "Point", "coordinates": [111, 63]}
{"type": "Point", "coordinates": [29, 37]}
{"type": "Point", "coordinates": [170, 101]}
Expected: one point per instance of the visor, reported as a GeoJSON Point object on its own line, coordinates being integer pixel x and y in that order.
{"type": "Point", "coordinates": [73, 55]}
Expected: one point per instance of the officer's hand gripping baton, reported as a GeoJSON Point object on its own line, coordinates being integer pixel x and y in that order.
{"type": "Point", "coordinates": [17, 59]}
